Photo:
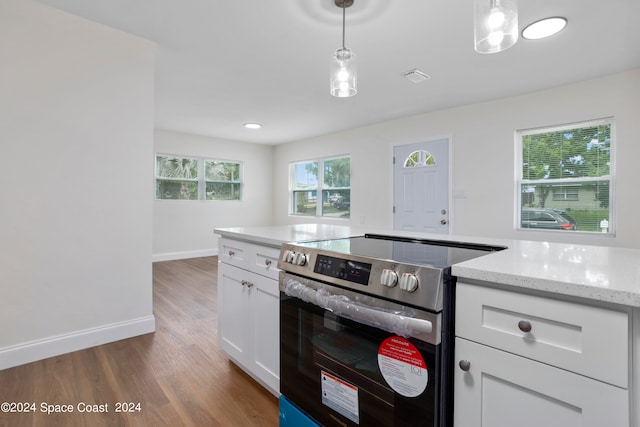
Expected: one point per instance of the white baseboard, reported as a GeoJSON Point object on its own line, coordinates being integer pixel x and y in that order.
{"type": "Point", "coordinates": [170, 256]}
{"type": "Point", "coordinates": [61, 344]}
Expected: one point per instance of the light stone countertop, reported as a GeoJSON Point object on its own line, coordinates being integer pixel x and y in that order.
{"type": "Point", "coordinates": [278, 234]}
{"type": "Point", "coordinates": [593, 272]}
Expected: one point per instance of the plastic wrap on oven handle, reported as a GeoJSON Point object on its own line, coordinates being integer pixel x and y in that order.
{"type": "Point", "coordinates": [397, 322]}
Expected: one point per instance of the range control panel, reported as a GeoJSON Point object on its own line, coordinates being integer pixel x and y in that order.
{"type": "Point", "coordinates": [352, 271]}
{"type": "Point", "coordinates": [412, 284]}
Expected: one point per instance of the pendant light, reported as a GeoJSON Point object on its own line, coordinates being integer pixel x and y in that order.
{"type": "Point", "coordinates": [343, 72]}
{"type": "Point", "coordinates": [495, 25]}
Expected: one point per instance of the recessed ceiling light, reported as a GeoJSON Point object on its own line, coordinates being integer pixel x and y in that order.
{"type": "Point", "coordinates": [544, 28]}
{"type": "Point", "coordinates": [252, 125]}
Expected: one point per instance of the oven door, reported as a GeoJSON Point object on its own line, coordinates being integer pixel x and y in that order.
{"type": "Point", "coordinates": [347, 359]}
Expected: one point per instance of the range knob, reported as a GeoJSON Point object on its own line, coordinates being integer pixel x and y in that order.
{"type": "Point", "coordinates": [408, 282]}
{"type": "Point", "coordinates": [299, 259]}
{"type": "Point", "coordinates": [389, 278]}
{"type": "Point", "coordinates": [288, 256]}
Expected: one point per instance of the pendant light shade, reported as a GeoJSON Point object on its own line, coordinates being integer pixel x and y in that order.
{"type": "Point", "coordinates": [343, 73]}
{"type": "Point", "coordinates": [495, 25]}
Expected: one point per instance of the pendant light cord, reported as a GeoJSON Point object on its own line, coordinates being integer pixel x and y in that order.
{"type": "Point", "coordinates": [343, 19]}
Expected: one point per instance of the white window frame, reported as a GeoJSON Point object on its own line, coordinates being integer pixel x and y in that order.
{"type": "Point", "coordinates": [201, 180]}
{"type": "Point", "coordinates": [520, 181]}
{"type": "Point", "coordinates": [319, 189]}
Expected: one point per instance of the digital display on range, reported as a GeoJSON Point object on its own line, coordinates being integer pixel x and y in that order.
{"type": "Point", "coordinates": [352, 271]}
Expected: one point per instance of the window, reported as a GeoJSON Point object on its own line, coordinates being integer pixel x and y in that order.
{"type": "Point", "coordinates": [176, 178]}
{"type": "Point", "coordinates": [565, 177]}
{"type": "Point", "coordinates": [194, 178]}
{"type": "Point", "coordinates": [566, 193]}
{"type": "Point", "coordinates": [321, 187]}
{"type": "Point", "coordinates": [418, 159]}
{"type": "Point", "coordinates": [222, 180]}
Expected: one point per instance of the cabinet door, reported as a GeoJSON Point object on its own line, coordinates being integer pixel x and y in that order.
{"type": "Point", "coordinates": [504, 390]}
{"type": "Point", "coordinates": [234, 321]}
{"type": "Point", "coordinates": [266, 328]}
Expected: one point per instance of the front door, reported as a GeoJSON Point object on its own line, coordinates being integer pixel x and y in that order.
{"type": "Point", "coordinates": [421, 187]}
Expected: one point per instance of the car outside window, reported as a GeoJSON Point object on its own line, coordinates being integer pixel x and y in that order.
{"type": "Point", "coordinates": [565, 180]}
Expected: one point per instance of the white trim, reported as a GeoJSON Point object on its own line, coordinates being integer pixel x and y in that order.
{"type": "Point", "coordinates": [634, 351]}
{"type": "Point", "coordinates": [170, 256]}
{"type": "Point", "coordinates": [74, 341]}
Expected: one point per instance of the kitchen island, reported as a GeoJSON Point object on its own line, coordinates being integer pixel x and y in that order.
{"type": "Point", "coordinates": [550, 331]}
{"type": "Point", "coordinates": [248, 294]}
{"type": "Point", "coordinates": [560, 316]}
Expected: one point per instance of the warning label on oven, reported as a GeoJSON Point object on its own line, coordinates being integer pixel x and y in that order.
{"type": "Point", "coordinates": [340, 396]}
{"type": "Point", "coordinates": [403, 367]}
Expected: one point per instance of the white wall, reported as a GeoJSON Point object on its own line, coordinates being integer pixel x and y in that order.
{"type": "Point", "coordinates": [184, 228]}
{"type": "Point", "coordinates": [483, 149]}
{"type": "Point", "coordinates": [76, 135]}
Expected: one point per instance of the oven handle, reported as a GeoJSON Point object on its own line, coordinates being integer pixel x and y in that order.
{"type": "Point", "coordinates": [397, 322]}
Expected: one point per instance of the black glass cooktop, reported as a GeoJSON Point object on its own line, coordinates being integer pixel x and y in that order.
{"type": "Point", "coordinates": [433, 253]}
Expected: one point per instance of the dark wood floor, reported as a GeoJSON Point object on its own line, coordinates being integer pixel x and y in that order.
{"type": "Point", "coordinates": [178, 374]}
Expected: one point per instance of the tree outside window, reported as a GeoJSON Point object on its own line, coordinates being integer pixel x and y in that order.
{"type": "Point", "coordinates": [321, 194]}
{"type": "Point", "coordinates": [222, 180]}
{"type": "Point", "coordinates": [191, 178]}
{"type": "Point", "coordinates": [567, 171]}
{"type": "Point", "coordinates": [176, 178]}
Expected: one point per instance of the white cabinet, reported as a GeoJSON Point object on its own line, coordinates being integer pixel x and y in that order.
{"type": "Point", "coordinates": [525, 360]}
{"type": "Point", "coordinates": [249, 309]}
{"type": "Point", "coordinates": [501, 389]}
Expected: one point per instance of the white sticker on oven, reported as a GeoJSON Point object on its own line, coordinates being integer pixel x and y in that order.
{"type": "Point", "coordinates": [403, 367]}
{"type": "Point", "coordinates": [340, 396]}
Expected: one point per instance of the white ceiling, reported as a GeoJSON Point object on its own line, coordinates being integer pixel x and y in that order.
{"type": "Point", "coordinates": [220, 64]}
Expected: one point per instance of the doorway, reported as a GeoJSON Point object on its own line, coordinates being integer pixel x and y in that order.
{"type": "Point", "coordinates": [421, 187]}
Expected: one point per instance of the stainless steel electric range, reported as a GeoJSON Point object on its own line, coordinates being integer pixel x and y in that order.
{"type": "Point", "coordinates": [366, 330]}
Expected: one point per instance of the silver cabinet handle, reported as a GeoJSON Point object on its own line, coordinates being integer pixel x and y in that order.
{"type": "Point", "coordinates": [524, 326]}
{"type": "Point", "coordinates": [267, 262]}
{"type": "Point", "coordinates": [249, 285]}
{"type": "Point", "coordinates": [443, 221]}
{"type": "Point", "coordinates": [231, 253]}
{"type": "Point", "coordinates": [465, 365]}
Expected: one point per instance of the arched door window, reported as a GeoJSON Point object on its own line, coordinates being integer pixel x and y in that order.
{"type": "Point", "coordinates": [419, 158]}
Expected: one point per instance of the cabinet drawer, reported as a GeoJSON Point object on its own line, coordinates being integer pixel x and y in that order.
{"type": "Point", "coordinates": [262, 260]}
{"type": "Point", "coordinates": [265, 261]}
{"type": "Point", "coordinates": [234, 252]}
{"type": "Point", "coordinates": [587, 340]}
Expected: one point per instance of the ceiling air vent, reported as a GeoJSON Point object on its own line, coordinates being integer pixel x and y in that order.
{"type": "Point", "coordinates": [415, 76]}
